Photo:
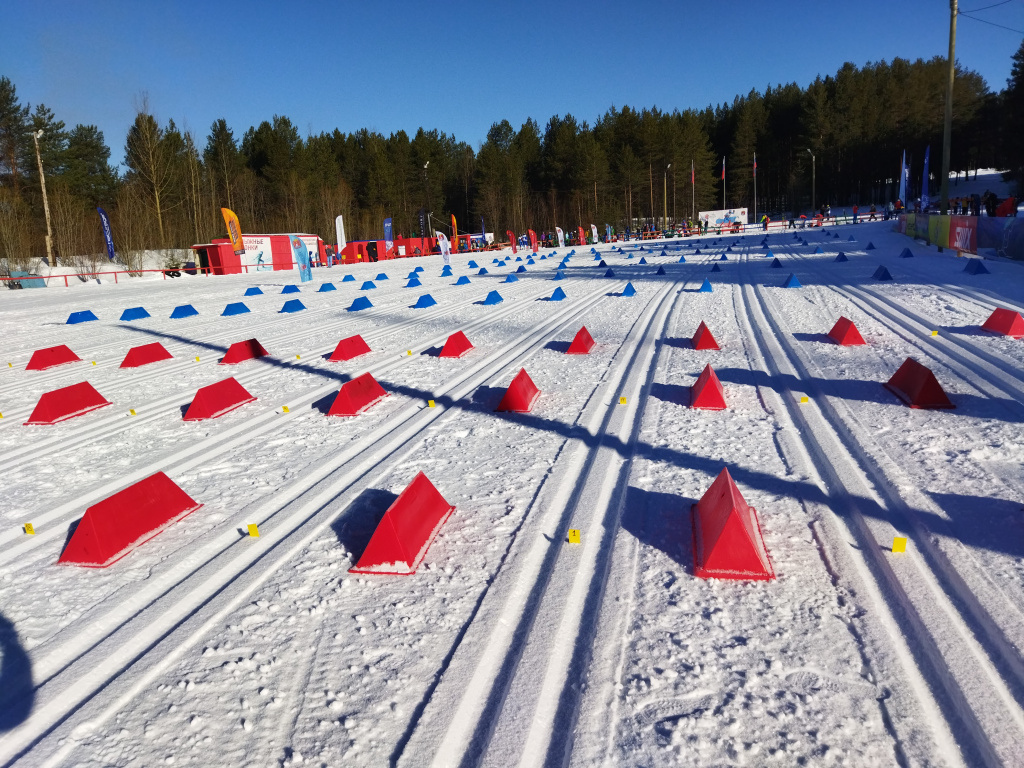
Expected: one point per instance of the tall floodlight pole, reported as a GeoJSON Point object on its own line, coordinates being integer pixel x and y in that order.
{"type": "Point", "coordinates": [813, 180]}
{"type": "Point", "coordinates": [693, 193]}
{"type": "Point", "coordinates": [36, 136]}
{"type": "Point", "coordinates": [665, 192]}
{"type": "Point", "coordinates": [947, 130]}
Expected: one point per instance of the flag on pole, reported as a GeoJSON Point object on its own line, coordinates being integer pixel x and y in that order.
{"type": "Point", "coordinates": [903, 179]}
{"type": "Point", "coordinates": [924, 180]}
{"type": "Point", "coordinates": [234, 230]}
{"type": "Point", "coordinates": [692, 182]}
{"type": "Point", "coordinates": [723, 167]}
{"type": "Point", "coordinates": [755, 165]}
{"type": "Point", "coordinates": [455, 233]}
{"type": "Point", "coordinates": [511, 239]}
{"type": "Point", "coordinates": [108, 234]}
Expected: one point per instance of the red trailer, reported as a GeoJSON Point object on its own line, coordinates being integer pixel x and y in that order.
{"type": "Point", "coordinates": [263, 253]}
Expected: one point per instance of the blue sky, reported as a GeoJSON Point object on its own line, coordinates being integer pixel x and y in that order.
{"type": "Point", "coordinates": [454, 66]}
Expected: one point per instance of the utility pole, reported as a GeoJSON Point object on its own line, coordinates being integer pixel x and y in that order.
{"type": "Point", "coordinates": [36, 135]}
{"type": "Point", "coordinates": [665, 192]}
{"type": "Point", "coordinates": [813, 180]}
{"type": "Point", "coordinates": [947, 130]}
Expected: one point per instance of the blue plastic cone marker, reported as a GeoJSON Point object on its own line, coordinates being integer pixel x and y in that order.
{"type": "Point", "coordinates": [976, 267]}
{"type": "Point", "coordinates": [603, 263]}
{"type": "Point", "coordinates": [871, 246]}
{"type": "Point", "coordinates": [483, 271]}
{"type": "Point", "coordinates": [520, 269]}
{"type": "Point", "coordinates": [530, 262]}
{"type": "Point", "coordinates": [769, 255]}
{"type": "Point", "coordinates": [134, 313]}
{"type": "Point", "coordinates": [764, 246]}
{"type": "Point", "coordinates": [542, 258]}
{"type": "Point", "coordinates": [493, 298]}
{"type": "Point", "coordinates": [463, 280]}
{"type": "Point", "coordinates": [697, 252]}
{"type": "Point", "coordinates": [792, 282]}
{"type": "Point", "coordinates": [325, 287]}
{"type": "Point", "coordinates": [597, 258]}
{"type": "Point", "coordinates": [419, 269]}
{"type": "Point", "coordinates": [776, 264]}
{"type": "Point", "coordinates": [501, 263]}
{"type": "Point", "coordinates": [472, 265]}
{"type": "Point", "coordinates": [836, 235]}
{"type": "Point", "coordinates": [631, 256]}
{"type": "Point", "coordinates": [348, 279]}
{"type": "Point", "coordinates": [511, 278]}
{"type": "Point", "coordinates": [682, 259]}
{"type": "Point", "coordinates": [424, 301]}
{"type": "Point", "coordinates": [661, 271]}
{"type": "Point", "coordinates": [238, 308]}
{"type": "Point", "coordinates": [629, 290]}
{"type": "Point", "coordinates": [360, 302]}
{"type": "Point", "coordinates": [715, 268]}
{"type": "Point", "coordinates": [185, 310]}
{"type": "Point", "coordinates": [642, 260]}
{"type": "Point", "coordinates": [519, 258]}
{"type": "Point", "coordinates": [882, 274]}
{"type": "Point", "coordinates": [705, 286]}
{"type": "Point", "coordinates": [609, 273]}
{"type": "Point", "coordinates": [368, 285]}
{"type": "Point", "coordinates": [413, 283]}
{"type": "Point", "coordinates": [446, 272]}
{"type": "Point", "coordinates": [381, 276]}
{"type": "Point", "coordinates": [851, 239]}
{"type": "Point", "coordinates": [558, 294]}
{"type": "Point", "coordinates": [494, 261]}
{"type": "Point", "coordinates": [841, 257]}
{"type": "Point", "coordinates": [290, 289]}
{"type": "Point", "coordinates": [906, 253]}
{"type": "Point", "coordinates": [559, 275]}
{"type": "Point", "coordinates": [292, 305]}
{"type": "Point", "coordinates": [254, 291]}
{"type": "Point", "coordinates": [724, 258]}
{"type": "Point", "coordinates": [818, 250]}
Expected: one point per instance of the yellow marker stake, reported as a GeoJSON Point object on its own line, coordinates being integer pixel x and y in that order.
{"type": "Point", "coordinates": [935, 333]}
{"type": "Point", "coordinates": [197, 359]}
{"type": "Point", "coordinates": [430, 404]}
{"type": "Point", "coordinates": [574, 536]}
{"type": "Point", "coordinates": [10, 365]}
{"type": "Point", "coordinates": [622, 401]}
{"type": "Point", "coordinates": [284, 409]}
{"type": "Point", "coordinates": [804, 399]}
{"type": "Point", "coordinates": [409, 353]}
{"type": "Point", "coordinates": [94, 362]}
{"type": "Point", "coordinates": [1, 415]}
{"type": "Point", "coordinates": [899, 544]}
{"type": "Point", "coordinates": [297, 357]}
{"type": "Point", "coordinates": [254, 530]}
{"type": "Point", "coordinates": [30, 529]}
{"type": "Point", "coordinates": [131, 411]}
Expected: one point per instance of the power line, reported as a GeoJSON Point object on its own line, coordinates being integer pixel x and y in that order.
{"type": "Point", "coordinates": [996, 5]}
{"type": "Point", "coordinates": [992, 23]}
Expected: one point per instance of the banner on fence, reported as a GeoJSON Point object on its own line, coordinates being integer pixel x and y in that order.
{"type": "Point", "coordinates": [725, 217]}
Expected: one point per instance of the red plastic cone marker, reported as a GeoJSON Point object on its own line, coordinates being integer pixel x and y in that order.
{"type": "Point", "coordinates": [356, 396]}
{"type": "Point", "coordinates": [521, 394]}
{"type": "Point", "coordinates": [727, 541]}
{"type": "Point", "coordinates": [582, 343]}
{"type": "Point", "coordinates": [707, 392]}
{"type": "Point", "coordinates": [115, 526]}
{"type": "Point", "coordinates": [456, 346]}
{"type": "Point", "coordinates": [353, 346]}
{"type": "Point", "coordinates": [66, 403]}
{"type": "Point", "coordinates": [241, 351]}
{"type": "Point", "coordinates": [403, 535]}
{"type": "Point", "coordinates": [1004, 321]}
{"type": "Point", "coordinates": [145, 354]}
{"type": "Point", "coordinates": [50, 357]}
{"type": "Point", "coordinates": [702, 338]}
{"type": "Point", "coordinates": [845, 333]}
{"type": "Point", "coordinates": [217, 399]}
{"type": "Point", "coordinates": [918, 387]}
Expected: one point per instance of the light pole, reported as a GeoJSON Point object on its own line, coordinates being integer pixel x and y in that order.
{"type": "Point", "coordinates": [665, 193]}
{"type": "Point", "coordinates": [947, 127]}
{"type": "Point", "coordinates": [36, 136]}
{"type": "Point", "coordinates": [813, 173]}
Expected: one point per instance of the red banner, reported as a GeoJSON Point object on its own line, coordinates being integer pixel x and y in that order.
{"type": "Point", "coordinates": [511, 239]}
{"type": "Point", "coordinates": [583, 237]}
{"type": "Point", "coordinates": [963, 235]}
{"type": "Point", "coordinates": [533, 239]}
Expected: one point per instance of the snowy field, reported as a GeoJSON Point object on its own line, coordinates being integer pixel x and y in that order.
{"type": "Point", "coordinates": [510, 646]}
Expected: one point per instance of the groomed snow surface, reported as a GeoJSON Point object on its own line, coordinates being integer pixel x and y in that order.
{"type": "Point", "coordinates": [510, 646]}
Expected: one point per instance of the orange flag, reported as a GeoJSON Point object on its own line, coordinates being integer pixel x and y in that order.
{"type": "Point", "coordinates": [234, 230]}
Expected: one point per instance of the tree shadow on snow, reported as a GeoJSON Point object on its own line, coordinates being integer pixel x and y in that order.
{"type": "Point", "coordinates": [671, 393]}
{"type": "Point", "coordinates": [819, 338]}
{"type": "Point", "coordinates": [558, 346]}
{"type": "Point", "coordinates": [661, 521]}
{"type": "Point", "coordinates": [356, 524]}
{"type": "Point", "coordinates": [986, 523]}
{"type": "Point", "coordinates": [17, 690]}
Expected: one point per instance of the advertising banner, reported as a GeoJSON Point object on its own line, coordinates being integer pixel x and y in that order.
{"type": "Point", "coordinates": [389, 237]}
{"type": "Point", "coordinates": [234, 230]}
{"type": "Point", "coordinates": [533, 239]}
{"type": "Point", "coordinates": [724, 218]}
{"type": "Point", "coordinates": [583, 237]}
{"type": "Point", "coordinates": [962, 233]}
{"type": "Point", "coordinates": [444, 245]}
{"type": "Point", "coordinates": [256, 253]}
{"type": "Point", "coordinates": [108, 235]}
{"type": "Point", "coordinates": [561, 237]}
{"type": "Point", "coordinates": [455, 234]}
{"type": "Point", "coordinates": [339, 229]}
{"type": "Point", "coordinates": [593, 231]}
{"type": "Point", "coordinates": [300, 253]}
{"type": "Point", "coordinates": [924, 180]}
{"type": "Point", "coordinates": [511, 239]}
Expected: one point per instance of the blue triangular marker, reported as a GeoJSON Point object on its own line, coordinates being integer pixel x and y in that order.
{"type": "Point", "coordinates": [682, 260]}
{"type": "Point", "coordinates": [558, 294]}
{"type": "Point", "coordinates": [906, 253]}
{"type": "Point", "coordinates": [501, 263]}
{"type": "Point", "coordinates": [603, 263]}
{"type": "Point", "coordinates": [715, 268]}
{"type": "Point", "coordinates": [818, 250]}
{"type": "Point", "coordinates": [238, 308]}
{"type": "Point", "coordinates": [463, 280]}
{"type": "Point", "coordinates": [882, 274]}
{"type": "Point", "coordinates": [381, 276]}
{"type": "Point", "coordinates": [975, 267]}
{"type": "Point", "coordinates": [185, 310]}
{"type": "Point", "coordinates": [697, 252]}
{"type": "Point", "coordinates": [530, 262]}
{"type": "Point", "coordinates": [769, 255]}
{"type": "Point", "coordinates": [871, 246]}
{"type": "Point", "coordinates": [424, 301]}
{"type": "Point", "coordinates": [629, 290]}
{"type": "Point", "coordinates": [292, 305]}
{"type": "Point", "coordinates": [135, 313]}
{"type": "Point", "coordinates": [609, 273]}
{"type": "Point", "coordinates": [559, 275]}
{"type": "Point", "coordinates": [642, 260]}
{"type": "Point", "coordinates": [419, 269]}
{"type": "Point", "coordinates": [841, 257]}
{"type": "Point", "coordinates": [520, 269]}
{"type": "Point", "coordinates": [360, 302]}
{"type": "Point", "coordinates": [325, 287]}
{"type": "Point", "coordinates": [367, 286]}
{"type": "Point", "coordinates": [724, 258]}
{"type": "Point", "coordinates": [472, 265]}
{"type": "Point", "coordinates": [519, 258]}
{"type": "Point", "coordinates": [483, 271]}
{"type": "Point", "coordinates": [661, 271]}
{"type": "Point", "coordinates": [413, 283]}
{"type": "Point", "coordinates": [290, 289]}
{"type": "Point", "coordinates": [851, 239]}
{"type": "Point", "coordinates": [511, 278]}
{"type": "Point", "coordinates": [705, 286]}
{"type": "Point", "coordinates": [493, 298]}
{"type": "Point", "coordinates": [348, 279]}
{"type": "Point", "coordinates": [776, 263]}
{"type": "Point", "coordinates": [254, 291]}
{"type": "Point", "coordinates": [792, 282]}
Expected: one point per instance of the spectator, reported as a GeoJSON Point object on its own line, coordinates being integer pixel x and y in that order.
{"type": "Point", "coordinates": [855, 210]}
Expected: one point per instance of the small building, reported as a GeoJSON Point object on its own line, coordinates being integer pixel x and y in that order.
{"type": "Point", "coordinates": [263, 253]}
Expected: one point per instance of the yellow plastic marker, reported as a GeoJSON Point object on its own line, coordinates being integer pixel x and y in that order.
{"type": "Point", "coordinates": [297, 357]}
{"type": "Point", "coordinates": [1, 415]}
{"type": "Point", "coordinates": [94, 362]}
{"type": "Point", "coordinates": [935, 333]}
{"type": "Point", "coordinates": [197, 359]}
{"type": "Point", "coordinates": [254, 530]}
{"type": "Point", "coordinates": [430, 404]}
{"type": "Point", "coordinates": [10, 365]}
{"type": "Point", "coordinates": [622, 401]}
{"type": "Point", "coordinates": [409, 353]}
{"type": "Point", "coordinates": [30, 529]}
{"type": "Point", "coordinates": [131, 411]}
{"type": "Point", "coordinates": [574, 536]}
{"type": "Point", "coordinates": [804, 399]}
{"type": "Point", "coordinates": [899, 544]}
{"type": "Point", "coordinates": [284, 409]}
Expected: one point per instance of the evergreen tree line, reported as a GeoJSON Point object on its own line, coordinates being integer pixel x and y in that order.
{"type": "Point", "coordinates": [626, 169]}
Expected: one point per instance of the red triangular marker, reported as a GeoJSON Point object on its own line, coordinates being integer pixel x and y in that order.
{"type": "Point", "coordinates": [456, 346]}
{"type": "Point", "coordinates": [582, 343]}
{"type": "Point", "coordinates": [918, 387]}
{"type": "Point", "coordinates": [145, 354]}
{"type": "Point", "coordinates": [356, 396]}
{"type": "Point", "coordinates": [1004, 321]}
{"type": "Point", "coordinates": [845, 333]}
{"type": "Point", "coordinates": [241, 351]}
{"type": "Point", "coordinates": [707, 392]}
{"type": "Point", "coordinates": [702, 338]}
{"type": "Point", "coordinates": [66, 403]}
{"type": "Point", "coordinates": [215, 400]}
{"type": "Point", "coordinates": [727, 541]}
{"type": "Point", "coordinates": [50, 357]}
{"type": "Point", "coordinates": [521, 394]}
{"type": "Point", "coordinates": [353, 346]}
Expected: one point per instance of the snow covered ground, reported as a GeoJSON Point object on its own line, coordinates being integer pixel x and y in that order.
{"type": "Point", "coordinates": [509, 646]}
